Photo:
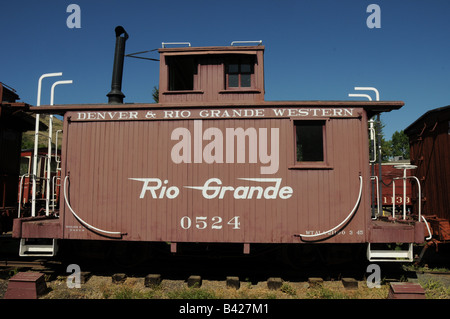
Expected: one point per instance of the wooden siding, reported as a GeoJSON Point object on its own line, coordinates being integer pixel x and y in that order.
{"type": "Point", "coordinates": [209, 82]}
{"type": "Point", "coordinates": [430, 151]}
{"type": "Point", "coordinates": [103, 157]}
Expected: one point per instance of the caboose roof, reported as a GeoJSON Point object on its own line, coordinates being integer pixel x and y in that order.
{"type": "Point", "coordinates": [434, 115]}
{"type": "Point", "coordinates": [211, 50]}
{"type": "Point", "coordinates": [372, 107]}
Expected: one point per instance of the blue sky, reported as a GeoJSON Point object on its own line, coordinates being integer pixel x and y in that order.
{"type": "Point", "coordinates": [315, 50]}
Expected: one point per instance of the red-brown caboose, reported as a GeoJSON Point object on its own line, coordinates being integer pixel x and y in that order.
{"type": "Point", "coordinates": [214, 162]}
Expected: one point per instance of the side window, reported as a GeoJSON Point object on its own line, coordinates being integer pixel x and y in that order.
{"type": "Point", "coordinates": [240, 73]}
{"type": "Point", "coordinates": [310, 141]}
{"type": "Point", "coordinates": [181, 73]}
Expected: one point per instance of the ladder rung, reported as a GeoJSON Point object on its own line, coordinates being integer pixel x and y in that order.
{"type": "Point", "coordinates": [42, 134]}
{"type": "Point", "coordinates": [47, 250]}
{"type": "Point", "coordinates": [390, 255]}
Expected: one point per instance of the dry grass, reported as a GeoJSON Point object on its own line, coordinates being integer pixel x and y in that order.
{"type": "Point", "coordinates": [133, 288]}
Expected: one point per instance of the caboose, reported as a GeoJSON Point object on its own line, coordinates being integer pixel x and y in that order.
{"type": "Point", "coordinates": [214, 162]}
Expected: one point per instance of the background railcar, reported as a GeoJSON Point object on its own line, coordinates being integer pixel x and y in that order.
{"type": "Point", "coordinates": [13, 122]}
{"type": "Point", "coordinates": [43, 176]}
{"type": "Point", "coordinates": [429, 138]}
{"type": "Point", "coordinates": [390, 172]}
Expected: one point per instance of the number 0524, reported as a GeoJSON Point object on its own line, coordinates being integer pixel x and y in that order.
{"type": "Point", "coordinates": [202, 222]}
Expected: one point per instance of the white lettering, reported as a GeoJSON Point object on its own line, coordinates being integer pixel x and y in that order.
{"type": "Point", "coordinates": [320, 112]}
{"type": "Point", "coordinates": [169, 192]}
{"type": "Point", "coordinates": [240, 145]}
{"type": "Point", "coordinates": [207, 310]}
{"type": "Point", "coordinates": [213, 189]}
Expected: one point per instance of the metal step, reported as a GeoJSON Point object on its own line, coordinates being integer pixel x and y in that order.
{"type": "Point", "coordinates": [41, 248]}
{"type": "Point", "coordinates": [390, 255]}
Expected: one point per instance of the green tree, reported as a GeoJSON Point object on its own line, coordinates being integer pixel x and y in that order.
{"type": "Point", "coordinates": [386, 151]}
{"type": "Point", "coordinates": [400, 144]}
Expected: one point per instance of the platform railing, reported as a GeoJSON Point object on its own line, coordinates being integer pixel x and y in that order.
{"type": "Point", "coordinates": [406, 167]}
{"type": "Point", "coordinates": [36, 136]}
{"type": "Point", "coordinates": [378, 197]}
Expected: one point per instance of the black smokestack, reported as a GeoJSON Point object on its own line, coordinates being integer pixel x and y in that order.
{"type": "Point", "coordinates": [116, 96]}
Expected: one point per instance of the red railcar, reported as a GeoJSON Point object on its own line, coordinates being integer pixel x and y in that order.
{"type": "Point", "coordinates": [391, 174]}
{"type": "Point", "coordinates": [429, 138]}
{"type": "Point", "coordinates": [214, 162]}
{"type": "Point", "coordinates": [13, 122]}
{"type": "Point", "coordinates": [25, 180]}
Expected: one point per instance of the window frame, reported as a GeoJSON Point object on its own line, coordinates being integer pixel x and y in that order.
{"type": "Point", "coordinates": [325, 163]}
{"type": "Point", "coordinates": [174, 65]}
{"type": "Point", "coordinates": [251, 61]}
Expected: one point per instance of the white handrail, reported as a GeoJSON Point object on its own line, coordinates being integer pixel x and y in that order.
{"type": "Point", "coordinates": [20, 193]}
{"type": "Point", "coordinates": [420, 194]}
{"type": "Point", "coordinates": [377, 94]}
{"type": "Point", "coordinates": [346, 219]}
{"type": "Point", "coordinates": [36, 135]}
{"type": "Point", "coordinates": [404, 196]}
{"type": "Point", "coordinates": [50, 138]}
{"type": "Point", "coordinates": [373, 138]}
{"type": "Point", "coordinates": [54, 184]}
{"type": "Point", "coordinates": [378, 196]}
{"type": "Point", "coordinates": [428, 227]}
{"type": "Point", "coordinates": [393, 197]}
{"type": "Point", "coordinates": [79, 219]}
{"type": "Point", "coordinates": [56, 147]}
{"type": "Point", "coordinates": [360, 95]}
{"type": "Point", "coordinates": [241, 42]}
{"type": "Point", "coordinates": [174, 43]}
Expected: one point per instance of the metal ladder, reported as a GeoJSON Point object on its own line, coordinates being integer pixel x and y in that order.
{"type": "Point", "coordinates": [42, 247]}
{"type": "Point", "coordinates": [37, 247]}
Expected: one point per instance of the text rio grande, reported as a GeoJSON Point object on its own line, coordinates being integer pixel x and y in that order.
{"type": "Point", "coordinates": [267, 188]}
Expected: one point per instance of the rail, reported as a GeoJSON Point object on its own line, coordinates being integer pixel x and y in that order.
{"type": "Point", "coordinates": [36, 135]}
{"type": "Point", "coordinates": [175, 43]}
{"type": "Point", "coordinates": [54, 184]}
{"type": "Point", "coordinates": [373, 138]}
{"type": "Point", "coordinates": [378, 196]}
{"type": "Point", "coordinates": [241, 42]}
{"type": "Point", "coordinates": [404, 178]}
{"type": "Point", "coordinates": [20, 193]}
{"type": "Point", "coordinates": [430, 235]}
{"type": "Point", "coordinates": [56, 147]}
{"type": "Point", "coordinates": [346, 219]}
